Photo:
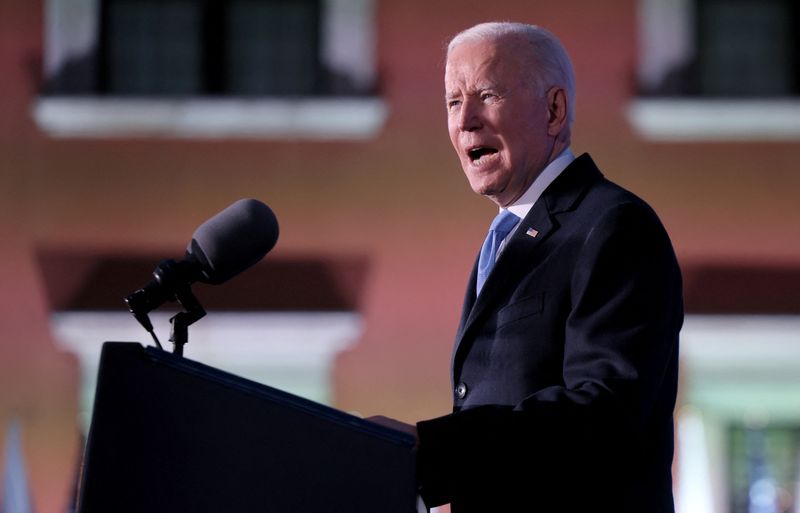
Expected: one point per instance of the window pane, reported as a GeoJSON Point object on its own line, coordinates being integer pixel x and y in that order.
{"type": "Point", "coordinates": [764, 469]}
{"type": "Point", "coordinates": [153, 47]}
{"type": "Point", "coordinates": [273, 47]}
{"type": "Point", "coordinates": [746, 48]}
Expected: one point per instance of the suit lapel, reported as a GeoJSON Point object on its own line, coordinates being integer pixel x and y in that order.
{"type": "Point", "coordinates": [469, 298]}
{"type": "Point", "coordinates": [508, 269]}
{"type": "Point", "coordinates": [520, 252]}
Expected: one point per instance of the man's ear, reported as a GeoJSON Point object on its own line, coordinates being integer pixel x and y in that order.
{"type": "Point", "coordinates": [556, 110]}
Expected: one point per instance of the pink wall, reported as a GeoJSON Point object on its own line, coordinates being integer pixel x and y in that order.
{"type": "Point", "coordinates": [730, 202]}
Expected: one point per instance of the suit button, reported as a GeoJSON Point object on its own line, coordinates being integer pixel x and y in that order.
{"type": "Point", "coordinates": [461, 390]}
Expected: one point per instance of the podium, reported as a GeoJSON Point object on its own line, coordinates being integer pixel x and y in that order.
{"type": "Point", "coordinates": [172, 435]}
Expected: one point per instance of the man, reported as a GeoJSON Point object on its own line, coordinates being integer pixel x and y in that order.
{"type": "Point", "coordinates": [565, 363]}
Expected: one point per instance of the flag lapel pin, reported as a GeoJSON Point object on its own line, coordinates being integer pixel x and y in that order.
{"type": "Point", "coordinates": [532, 232]}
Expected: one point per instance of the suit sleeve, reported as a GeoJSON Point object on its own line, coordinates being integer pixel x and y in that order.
{"type": "Point", "coordinates": [619, 371]}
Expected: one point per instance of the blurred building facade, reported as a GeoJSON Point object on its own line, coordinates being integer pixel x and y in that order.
{"type": "Point", "coordinates": [125, 124]}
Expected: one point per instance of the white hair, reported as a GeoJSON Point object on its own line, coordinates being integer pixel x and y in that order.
{"type": "Point", "coordinates": [550, 66]}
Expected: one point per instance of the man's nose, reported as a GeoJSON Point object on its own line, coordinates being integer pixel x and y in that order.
{"type": "Point", "coordinates": [469, 116]}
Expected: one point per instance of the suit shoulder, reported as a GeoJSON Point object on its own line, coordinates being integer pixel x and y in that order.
{"type": "Point", "coordinates": [606, 200]}
{"type": "Point", "coordinates": [582, 185]}
{"type": "Point", "coordinates": [612, 193]}
{"type": "Point", "coordinates": [583, 196]}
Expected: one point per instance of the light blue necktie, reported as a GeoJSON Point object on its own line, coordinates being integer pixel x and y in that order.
{"type": "Point", "coordinates": [499, 230]}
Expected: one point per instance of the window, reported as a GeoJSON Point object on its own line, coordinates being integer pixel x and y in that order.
{"type": "Point", "coordinates": [739, 427]}
{"type": "Point", "coordinates": [718, 69]}
{"type": "Point", "coordinates": [265, 68]}
{"type": "Point", "coordinates": [748, 48]}
{"type": "Point", "coordinates": [764, 467]}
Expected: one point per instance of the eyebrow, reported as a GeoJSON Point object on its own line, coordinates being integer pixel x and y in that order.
{"type": "Point", "coordinates": [477, 90]}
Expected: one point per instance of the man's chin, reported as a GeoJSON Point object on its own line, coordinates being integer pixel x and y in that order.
{"type": "Point", "coordinates": [497, 195]}
{"type": "Point", "coordinates": [484, 190]}
{"type": "Point", "coordinates": [486, 186]}
{"type": "Point", "coordinates": [490, 193]}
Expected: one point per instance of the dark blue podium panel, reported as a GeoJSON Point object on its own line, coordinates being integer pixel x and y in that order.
{"type": "Point", "coordinates": [172, 435]}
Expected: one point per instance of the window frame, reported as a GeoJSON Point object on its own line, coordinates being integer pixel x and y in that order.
{"type": "Point", "coordinates": [667, 37]}
{"type": "Point", "coordinates": [348, 45]}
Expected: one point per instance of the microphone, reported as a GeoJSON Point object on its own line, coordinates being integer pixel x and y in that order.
{"type": "Point", "coordinates": [233, 240]}
{"type": "Point", "coordinates": [222, 247]}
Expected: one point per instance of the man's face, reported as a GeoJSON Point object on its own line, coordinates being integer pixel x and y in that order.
{"type": "Point", "coordinates": [498, 122]}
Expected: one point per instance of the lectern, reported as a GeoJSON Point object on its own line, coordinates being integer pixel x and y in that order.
{"type": "Point", "coordinates": [172, 435]}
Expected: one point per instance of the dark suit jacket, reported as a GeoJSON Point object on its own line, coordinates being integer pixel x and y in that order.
{"type": "Point", "coordinates": [565, 367]}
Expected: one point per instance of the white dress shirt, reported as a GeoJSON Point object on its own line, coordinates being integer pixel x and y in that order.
{"type": "Point", "coordinates": [523, 205]}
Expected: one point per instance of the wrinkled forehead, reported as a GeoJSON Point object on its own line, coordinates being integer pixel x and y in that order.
{"type": "Point", "coordinates": [487, 60]}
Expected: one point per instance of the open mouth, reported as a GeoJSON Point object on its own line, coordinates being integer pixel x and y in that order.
{"type": "Point", "coordinates": [479, 152]}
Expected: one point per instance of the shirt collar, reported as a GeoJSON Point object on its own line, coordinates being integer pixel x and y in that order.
{"type": "Point", "coordinates": [523, 205]}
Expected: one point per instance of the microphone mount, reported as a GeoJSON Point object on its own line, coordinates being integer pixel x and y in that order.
{"type": "Point", "coordinates": [220, 248]}
{"type": "Point", "coordinates": [172, 283]}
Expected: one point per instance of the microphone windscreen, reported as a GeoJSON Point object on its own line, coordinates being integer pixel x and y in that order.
{"type": "Point", "coordinates": [233, 240]}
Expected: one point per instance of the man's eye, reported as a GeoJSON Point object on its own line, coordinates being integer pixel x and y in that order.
{"type": "Point", "coordinates": [488, 96]}
{"type": "Point", "coordinates": [453, 104]}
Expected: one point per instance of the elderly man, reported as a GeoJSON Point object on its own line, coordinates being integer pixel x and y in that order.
{"type": "Point", "coordinates": [566, 359]}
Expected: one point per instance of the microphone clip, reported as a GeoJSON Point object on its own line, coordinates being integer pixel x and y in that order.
{"type": "Point", "coordinates": [172, 283]}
